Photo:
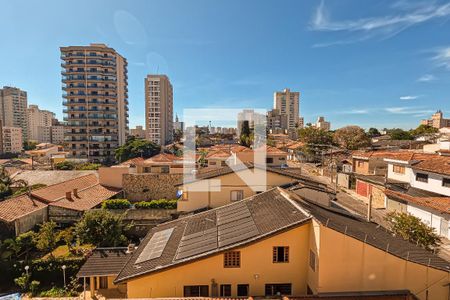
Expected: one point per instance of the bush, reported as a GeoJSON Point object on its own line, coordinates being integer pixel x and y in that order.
{"type": "Point", "coordinates": [116, 204]}
{"type": "Point", "coordinates": [87, 166]}
{"type": "Point", "coordinates": [157, 204]}
{"type": "Point", "coordinates": [64, 165]}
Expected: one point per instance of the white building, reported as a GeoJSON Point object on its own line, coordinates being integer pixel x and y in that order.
{"type": "Point", "coordinates": [39, 121]}
{"type": "Point", "coordinates": [12, 139]}
{"type": "Point", "coordinates": [421, 187]}
{"type": "Point", "coordinates": [322, 124]}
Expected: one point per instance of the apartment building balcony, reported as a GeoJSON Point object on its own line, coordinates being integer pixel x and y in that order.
{"type": "Point", "coordinates": [74, 102]}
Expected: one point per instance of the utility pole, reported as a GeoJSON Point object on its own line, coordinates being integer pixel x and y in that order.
{"type": "Point", "coordinates": [369, 207]}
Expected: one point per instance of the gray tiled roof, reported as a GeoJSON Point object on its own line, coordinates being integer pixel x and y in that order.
{"type": "Point", "coordinates": [104, 261]}
{"type": "Point", "coordinates": [219, 229]}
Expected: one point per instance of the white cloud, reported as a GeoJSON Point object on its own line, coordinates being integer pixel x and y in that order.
{"type": "Point", "coordinates": [384, 26]}
{"type": "Point", "coordinates": [426, 78]}
{"type": "Point", "coordinates": [442, 57]}
{"type": "Point", "coordinates": [408, 97]}
{"type": "Point", "coordinates": [417, 111]}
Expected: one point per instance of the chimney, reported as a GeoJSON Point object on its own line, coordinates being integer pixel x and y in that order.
{"type": "Point", "coordinates": [130, 248]}
{"type": "Point", "coordinates": [75, 193]}
{"type": "Point", "coordinates": [69, 196]}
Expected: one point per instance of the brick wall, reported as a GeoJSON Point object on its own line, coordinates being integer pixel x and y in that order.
{"type": "Point", "coordinates": [141, 187]}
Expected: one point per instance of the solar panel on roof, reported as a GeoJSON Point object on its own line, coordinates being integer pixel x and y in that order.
{"type": "Point", "coordinates": [155, 246]}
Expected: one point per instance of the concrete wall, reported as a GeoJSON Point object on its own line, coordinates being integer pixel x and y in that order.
{"type": "Point", "coordinates": [141, 187]}
{"type": "Point", "coordinates": [347, 264]}
{"type": "Point", "coordinates": [28, 221]}
{"type": "Point", "coordinates": [112, 177]}
{"type": "Point", "coordinates": [256, 269]}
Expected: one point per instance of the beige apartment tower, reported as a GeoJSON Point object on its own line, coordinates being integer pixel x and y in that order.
{"type": "Point", "coordinates": [288, 103]}
{"type": "Point", "coordinates": [38, 120]}
{"type": "Point", "coordinates": [96, 101]}
{"type": "Point", "coordinates": [159, 109]}
{"type": "Point", "coordinates": [13, 109]}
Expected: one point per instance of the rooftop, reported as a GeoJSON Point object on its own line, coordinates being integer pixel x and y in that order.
{"type": "Point", "coordinates": [104, 261]}
{"type": "Point", "coordinates": [13, 208]}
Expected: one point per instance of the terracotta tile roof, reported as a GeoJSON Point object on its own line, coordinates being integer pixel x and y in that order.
{"type": "Point", "coordinates": [132, 162]}
{"type": "Point", "coordinates": [296, 145]}
{"type": "Point", "coordinates": [441, 204]}
{"type": "Point", "coordinates": [163, 158]}
{"type": "Point", "coordinates": [57, 191]}
{"type": "Point", "coordinates": [218, 154]}
{"type": "Point", "coordinates": [272, 150]}
{"type": "Point", "coordinates": [13, 208]}
{"type": "Point", "coordinates": [87, 198]}
{"type": "Point", "coordinates": [436, 164]}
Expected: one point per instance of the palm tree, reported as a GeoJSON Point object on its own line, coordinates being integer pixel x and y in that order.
{"type": "Point", "coordinates": [6, 183]}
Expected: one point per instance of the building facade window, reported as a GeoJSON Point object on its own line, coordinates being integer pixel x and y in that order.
{"type": "Point", "coordinates": [278, 289]}
{"type": "Point", "coordinates": [185, 195]}
{"type": "Point", "coordinates": [280, 254]}
{"type": "Point", "coordinates": [103, 282]}
{"type": "Point", "coordinates": [196, 291]}
{"type": "Point", "coordinates": [399, 169]}
{"type": "Point", "coordinates": [225, 290]}
{"type": "Point", "coordinates": [237, 195]}
{"type": "Point", "coordinates": [243, 290]}
{"type": "Point", "coordinates": [446, 182]}
{"type": "Point", "coordinates": [232, 259]}
{"type": "Point", "coordinates": [422, 177]}
{"type": "Point", "coordinates": [312, 260]}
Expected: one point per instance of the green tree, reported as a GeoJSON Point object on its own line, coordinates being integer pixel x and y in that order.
{"type": "Point", "coordinates": [101, 228]}
{"type": "Point", "coordinates": [246, 138]}
{"type": "Point", "coordinates": [68, 236]}
{"type": "Point", "coordinates": [400, 134]}
{"type": "Point", "coordinates": [6, 182]}
{"type": "Point", "coordinates": [424, 130]}
{"type": "Point", "coordinates": [46, 238]}
{"type": "Point", "coordinates": [313, 135]}
{"type": "Point", "coordinates": [29, 145]}
{"type": "Point", "coordinates": [351, 137]}
{"type": "Point", "coordinates": [373, 132]}
{"type": "Point", "coordinates": [413, 229]}
{"type": "Point", "coordinates": [136, 147]}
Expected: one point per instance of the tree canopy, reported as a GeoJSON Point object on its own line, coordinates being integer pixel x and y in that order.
{"type": "Point", "coordinates": [423, 130]}
{"type": "Point", "coordinates": [351, 138]}
{"type": "Point", "coordinates": [101, 228]}
{"type": "Point", "coordinates": [373, 132]}
{"type": "Point", "coordinates": [400, 134]}
{"type": "Point", "coordinates": [136, 147]}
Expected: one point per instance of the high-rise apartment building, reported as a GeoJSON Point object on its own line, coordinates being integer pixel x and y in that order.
{"type": "Point", "coordinates": [437, 120]}
{"type": "Point", "coordinates": [96, 100]}
{"type": "Point", "coordinates": [288, 103]}
{"type": "Point", "coordinates": [322, 124]}
{"type": "Point", "coordinates": [159, 109]}
{"type": "Point", "coordinates": [38, 120]}
{"type": "Point", "coordinates": [13, 109]}
{"type": "Point", "coordinates": [277, 122]}
{"type": "Point", "coordinates": [12, 139]}
{"type": "Point", "coordinates": [138, 132]}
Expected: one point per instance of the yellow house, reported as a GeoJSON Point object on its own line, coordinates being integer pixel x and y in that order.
{"type": "Point", "coordinates": [272, 244]}
{"type": "Point", "coordinates": [221, 186]}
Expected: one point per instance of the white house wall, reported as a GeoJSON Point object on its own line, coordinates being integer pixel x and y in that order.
{"type": "Point", "coordinates": [431, 219]}
{"type": "Point", "coordinates": [434, 183]}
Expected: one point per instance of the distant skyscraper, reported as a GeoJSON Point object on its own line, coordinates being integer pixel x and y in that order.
{"type": "Point", "coordinates": [12, 139]}
{"type": "Point", "coordinates": [437, 120]}
{"type": "Point", "coordinates": [276, 122]}
{"type": "Point", "coordinates": [95, 83]}
{"type": "Point", "coordinates": [13, 109]}
{"type": "Point", "coordinates": [38, 119]}
{"type": "Point", "coordinates": [159, 109]}
{"type": "Point", "coordinates": [177, 125]}
{"type": "Point", "coordinates": [289, 104]}
{"type": "Point", "coordinates": [322, 124]}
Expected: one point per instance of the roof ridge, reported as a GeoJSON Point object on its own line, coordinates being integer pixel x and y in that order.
{"type": "Point", "coordinates": [80, 190]}
{"type": "Point", "coordinates": [52, 185]}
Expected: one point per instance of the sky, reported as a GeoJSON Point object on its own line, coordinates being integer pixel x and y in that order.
{"type": "Point", "coordinates": [356, 62]}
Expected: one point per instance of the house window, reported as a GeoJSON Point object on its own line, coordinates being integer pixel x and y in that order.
{"type": "Point", "coordinates": [399, 169]}
{"type": "Point", "coordinates": [422, 177]}
{"type": "Point", "coordinates": [446, 182]}
{"type": "Point", "coordinates": [211, 163]}
{"type": "Point", "coordinates": [278, 289]}
{"type": "Point", "coordinates": [269, 160]}
{"type": "Point", "coordinates": [103, 282]}
{"type": "Point", "coordinates": [280, 254]}
{"type": "Point", "coordinates": [312, 260]}
{"type": "Point", "coordinates": [165, 169]}
{"type": "Point", "coordinates": [185, 195]}
{"type": "Point", "coordinates": [232, 259]}
{"type": "Point", "coordinates": [237, 195]}
{"type": "Point", "coordinates": [196, 291]}
{"type": "Point", "coordinates": [242, 290]}
{"type": "Point", "coordinates": [225, 290]}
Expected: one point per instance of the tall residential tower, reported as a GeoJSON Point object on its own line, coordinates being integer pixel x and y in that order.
{"type": "Point", "coordinates": [13, 109]}
{"type": "Point", "coordinates": [96, 100]}
{"type": "Point", "coordinates": [159, 109]}
{"type": "Point", "coordinates": [288, 103]}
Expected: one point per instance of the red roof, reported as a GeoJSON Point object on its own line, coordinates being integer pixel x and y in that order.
{"type": "Point", "coordinates": [13, 208]}
{"type": "Point", "coordinates": [218, 154]}
{"type": "Point", "coordinates": [132, 162]}
{"type": "Point", "coordinates": [441, 204]}
{"type": "Point", "coordinates": [57, 191]}
{"type": "Point", "coordinates": [163, 158]}
{"type": "Point", "coordinates": [87, 198]}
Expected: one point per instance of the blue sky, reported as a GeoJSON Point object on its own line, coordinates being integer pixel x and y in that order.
{"type": "Point", "coordinates": [370, 63]}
